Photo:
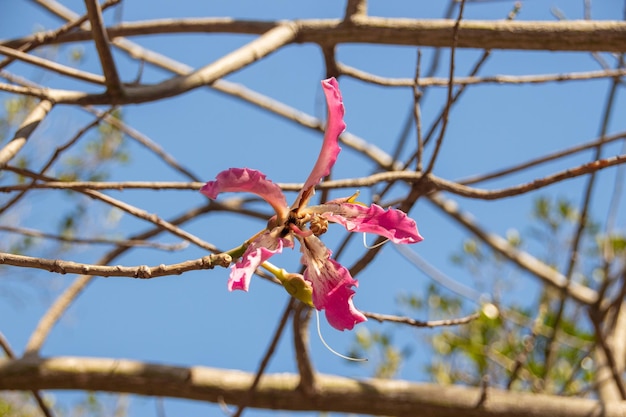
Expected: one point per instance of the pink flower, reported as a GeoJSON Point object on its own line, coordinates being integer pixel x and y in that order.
{"type": "Point", "coordinates": [331, 283]}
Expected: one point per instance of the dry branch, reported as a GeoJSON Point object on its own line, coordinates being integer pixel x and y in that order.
{"type": "Point", "coordinates": [141, 271]}
{"type": "Point", "coordinates": [101, 39]}
{"type": "Point", "coordinates": [548, 275]}
{"type": "Point", "coordinates": [52, 66]}
{"type": "Point", "coordinates": [576, 35]}
{"type": "Point", "coordinates": [24, 131]}
{"type": "Point", "coordinates": [475, 80]}
{"type": "Point", "coordinates": [279, 391]}
{"type": "Point", "coordinates": [63, 301]}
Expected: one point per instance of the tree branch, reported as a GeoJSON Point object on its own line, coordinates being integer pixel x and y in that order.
{"type": "Point", "coordinates": [475, 80]}
{"type": "Point", "coordinates": [278, 391]}
{"type": "Point", "coordinates": [63, 301]}
{"type": "Point", "coordinates": [141, 271]}
{"type": "Point", "coordinates": [24, 131]}
{"type": "Point", "coordinates": [577, 35]}
{"type": "Point", "coordinates": [101, 40]}
{"type": "Point", "coordinates": [548, 275]}
{"type": "Point", "coordinates": [52, 66]}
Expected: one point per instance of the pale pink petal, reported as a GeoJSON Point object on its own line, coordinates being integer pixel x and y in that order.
{"type": "Point", "coordinates": [330, 147]}
{"type": "Point", "coordinates": [259, 251]}
{"type": "Point", "coordinates": [393, 224]}
{"type": "Point", "coordinates": [251, 181]}
{"type": "Point", "coordinates": [332, 285]}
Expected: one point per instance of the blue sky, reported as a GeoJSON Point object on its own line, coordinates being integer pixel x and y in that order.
{"type": "Point", "coordinates": [193, 319]}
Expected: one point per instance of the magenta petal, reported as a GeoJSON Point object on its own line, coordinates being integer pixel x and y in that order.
{"type": "Point", "coordinates": [340, 310]}
{"type": "Point", "coordinates": [330, 147]}
{"type": "Point", "coordinates": [251, 181]}
{"type": "Point", "coordinates": [259, 251]}
{"type": "Point", "coordinates": [332, 285]}
{"type": "Point", "coordinates": [393, 224]}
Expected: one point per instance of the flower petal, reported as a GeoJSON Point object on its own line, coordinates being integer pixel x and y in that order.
{"type": "Point", "coordinates": [393, 224]}
{"type": "Point", "coordinates": [332, 285]}
{"type": "Point", "coordinates": [338, 305]}
{"type": "Point", "coordinates": [259, 251]}
{"type": "Point", "coordinates": [330, 147]}
{"type": "Point", "coordinates": [248, 180]}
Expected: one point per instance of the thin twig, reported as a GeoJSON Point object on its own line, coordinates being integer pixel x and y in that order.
{"type": "Point", "coordinates": [529, 263]}
{"type": "Point", "coordinates": [52, 66]}
{"type": "Point", "coordinates": [435, 183]}
{"type": "Point", "coordinates": [101, 40]}
{"type": "Point", "coordinates": [542, 159]}
{"type": "Point", "coordinates": [417, 115]}
{"type": "Point", "coordinates": [475, 80]}
{"type": "Point", "coordinates": [446, 110]}
{"type": "Point", "coordinates": [41, 38]}
{"type": "Point", "coordinates": [268, 355]}
{"type": "Point", "coordinates": [259, 48]}
{"type": "Point", "coordinates": [141, 271]}
{"type": "Point", "coordinates": [58, 151]}
{"type": "Point", "coordinates": [582, 225]}
{"type": "Point", "coordinates": [63, 301]}
{"type": "Point", "coordinates": [239, 91]}
{"type": "Point", "coordinates": [135, 211]}
{"type": "Point", "coordinates": [144, 141]}
{"type": "Point", "coordinates": [588, 168]}
{"type": "Point", "coordinates": [94, 241]}
{"type": "Point", "coordinates": [608, 353]}
{"type": "Point", "coordinates": [418, 323]}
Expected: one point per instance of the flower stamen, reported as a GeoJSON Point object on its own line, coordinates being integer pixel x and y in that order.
{"type": "Point", "coordinates": [333, 351]}
{"type": "Point", "coordinates": [372, 246]}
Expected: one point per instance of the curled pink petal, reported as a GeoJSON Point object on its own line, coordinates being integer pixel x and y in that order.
{"type": "Point", "coordinates": [330, 147]}
{"type": "Point", "coordinates": [332, 285]}
{"type": "Point", "coordinates": [340, 310]}
{"type": "Point", "coordinates": [251, 181]}
{"type": "Point", "coordinates": [259, 251]}
{"type": "Point", "coordinates": [393, 224]}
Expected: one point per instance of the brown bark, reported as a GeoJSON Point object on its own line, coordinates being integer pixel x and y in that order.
{"type": "Point", "coordinates": [279, 391]}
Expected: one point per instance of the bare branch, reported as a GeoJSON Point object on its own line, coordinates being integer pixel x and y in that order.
{"type": "Point", "coordinates": [145, 141]}
{"type": "Point", "coordinates": [588, 168]}
{"type": "Point", "coordinates": [236, 90]}
{"type": "Point", "coordinates": [540, 160]}
{"type": "Point", "coordinates": [52, 66]}
{"type": "Point", "coordinates": [436, 183]}
{"type": "Point", "coordinates": [94, 241]}
{"type": "Point", "coordinates": [40, 38]}
{"type": "Point", "coordinates": [526, 261]}
{"type": "Point", "coordinates": [271, 349]}
{"type": "Point", "coordinates": [475, 80]}
{"type": "Point", "coordinates": [4, 345]}
{"type": "Point", "coordinates": [142, 271]}
{"type": "Point", "coordinates": [63, 301]}
{"type": "Point", "coordinates": [135, 211]}
{"type": "Point", "coordinates": [278, 391]}
{"type": "Point", "coordinates": [234, 61]}
{"type": "Point", "coordinates": [27, 127]}
{"type": "Point", "coordinates": [419, 323]}
{"type": "Point", "coordinates": [449, 100]}
{"type": "Point", "coordinates": [609, 36]}
{"type": "Point", "coordinates": [101, 39]}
